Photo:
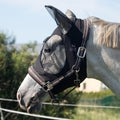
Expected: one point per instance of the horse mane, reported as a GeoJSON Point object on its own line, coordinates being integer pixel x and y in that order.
{"type": "Point", "coordinates": [106, 33]}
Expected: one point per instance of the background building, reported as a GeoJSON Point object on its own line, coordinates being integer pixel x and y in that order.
{"type": "Point", "coordinates": [91, 85]}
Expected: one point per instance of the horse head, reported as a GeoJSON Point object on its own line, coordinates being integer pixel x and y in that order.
{"type": "Point", "coordinates": [54, 69]}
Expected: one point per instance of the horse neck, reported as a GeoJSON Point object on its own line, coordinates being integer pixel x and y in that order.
{"type": "Point", "coordinates": [99, 63]}
{"type": "Point", "coordinates": [92, 55]}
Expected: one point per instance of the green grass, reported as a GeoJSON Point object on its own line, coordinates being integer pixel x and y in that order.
{"type": "Point", "coordinates": [96, 95]}
{"type": "Point", "coordinates": [106, 98]}
{"type": "Point", "coordinates": [97, 114]}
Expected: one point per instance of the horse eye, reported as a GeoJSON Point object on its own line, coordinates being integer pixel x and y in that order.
{"type": "Point", "coordinates": [47, 50]}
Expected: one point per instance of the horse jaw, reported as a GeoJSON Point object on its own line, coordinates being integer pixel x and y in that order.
{"type": "Point", "coordinates": [30, 95]}
{"type": "Point", "coordinates": [103, 63]}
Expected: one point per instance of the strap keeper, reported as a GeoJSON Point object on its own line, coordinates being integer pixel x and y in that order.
{"type": "Point", "coordinates": [77, 80]}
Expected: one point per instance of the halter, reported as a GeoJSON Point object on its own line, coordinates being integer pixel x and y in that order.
{"type": "Point", "coordinates": [81, 53]}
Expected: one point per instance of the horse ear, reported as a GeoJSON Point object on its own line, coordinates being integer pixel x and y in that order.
{"type": "Point", "coordinates": [61, 19]}
{"type": "Point", "coordinates": [71, 15]}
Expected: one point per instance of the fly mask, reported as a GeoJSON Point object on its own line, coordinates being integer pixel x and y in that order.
{"type": "Point", "coordinates": [62, 61]}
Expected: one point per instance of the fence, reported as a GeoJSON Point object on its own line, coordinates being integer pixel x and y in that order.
{"type": "Point", "coordinates": [24, 113]}
{"type": "Point", "coordinates": [55, 104]}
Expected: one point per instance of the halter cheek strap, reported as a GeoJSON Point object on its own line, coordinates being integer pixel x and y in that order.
{"type": "Point", "coordinates": [81, 53]}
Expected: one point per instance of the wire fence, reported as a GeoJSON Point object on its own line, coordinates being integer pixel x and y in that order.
{"type": "Point", "coordinates": [24, 113]}
{"type": "Point", "coordinates": [28, 114]}
{"type": "Point", "coordinates": [55, 104]}
{"type": "Point", "coordinates": [69, 105]}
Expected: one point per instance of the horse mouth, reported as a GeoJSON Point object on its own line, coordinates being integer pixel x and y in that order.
{"type": "Point", "coordinates": [34, 108]}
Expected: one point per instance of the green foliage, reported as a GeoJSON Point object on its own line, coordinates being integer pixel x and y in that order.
{"type": "Point", "coordinates": [104, 98]}
{"type": "Point", "coordinates": [110, 101]}
{"type": "Point", "coordinates": [5, 63]}
{"type": "Point", "coordinates": [13, 68]}
{"type": "Point", "coordinates": [61, 111]}
{"type": "Point", "coordinates": [29, 47]}
{"type": "Point", "coordinates": [78, 97]}
{"type": "Point", "coordinates": [96, 114]}
{"type": "Point", "coordinates": [6, 40]}
{"type": "Point", "coordinates": [94, 95]}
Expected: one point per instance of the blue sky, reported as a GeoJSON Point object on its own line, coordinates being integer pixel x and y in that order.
{"type": "Point", "coordinates": [29, 21]}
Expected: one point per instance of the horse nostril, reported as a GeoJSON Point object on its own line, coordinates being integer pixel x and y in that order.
{"type": "Point", "coordinates": [20, 101]}
{"type": "Point", "coordinates": [18, 96]}
{"type": "Point", "coordinates": [47, 50]}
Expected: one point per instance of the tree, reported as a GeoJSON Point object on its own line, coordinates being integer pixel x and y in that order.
{"type": "Point", "coordinates": [5, 62]}
{"type": "Point", "coordinates": [13, 68]}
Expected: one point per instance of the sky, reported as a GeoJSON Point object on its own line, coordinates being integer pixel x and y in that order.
{"type": "Point", "coordinates": [29, 21]}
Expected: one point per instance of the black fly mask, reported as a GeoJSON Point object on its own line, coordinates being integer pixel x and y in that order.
{"type": "Point", "coordinates": [62, 59]}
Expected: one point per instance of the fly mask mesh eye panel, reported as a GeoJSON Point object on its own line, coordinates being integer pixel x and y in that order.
{"type": "Point", "coordinates": [53, 55]}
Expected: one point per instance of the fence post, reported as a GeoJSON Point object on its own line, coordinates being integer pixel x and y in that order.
{"type": "Point", "coordinates": [2, 117]}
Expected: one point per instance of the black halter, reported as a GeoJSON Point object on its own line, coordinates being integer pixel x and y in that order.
{"type": "Point", "coordinates": [77, 71]}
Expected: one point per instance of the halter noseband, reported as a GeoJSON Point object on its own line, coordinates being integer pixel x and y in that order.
{"type": "Point", "coordinates": [81, 53]}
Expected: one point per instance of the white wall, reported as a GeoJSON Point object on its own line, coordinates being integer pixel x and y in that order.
{"type": "Point", "coordinates": [90, 85]}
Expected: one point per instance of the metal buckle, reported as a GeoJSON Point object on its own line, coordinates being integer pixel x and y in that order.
{"type": "Point", "coordinates": [48, 86]}
{"type": "Point", "coordinates": [81, 52]}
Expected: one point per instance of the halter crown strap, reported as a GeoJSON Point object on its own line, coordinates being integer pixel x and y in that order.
{"type": "Point", "coordinates": [81, 53]}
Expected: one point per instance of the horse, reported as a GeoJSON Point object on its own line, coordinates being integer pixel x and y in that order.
{"type": "Point", "coordinates": [76, 49]}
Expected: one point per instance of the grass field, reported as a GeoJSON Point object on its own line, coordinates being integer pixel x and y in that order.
{"type": "Point", "coordinates": [105, 98]}
{"type": "Point", "coordinates": [97, 114]}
